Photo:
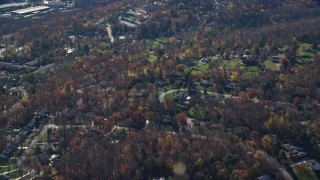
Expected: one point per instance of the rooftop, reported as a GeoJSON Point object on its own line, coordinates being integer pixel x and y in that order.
{"type": "Point", "coordinates": [3, 6]}
{"type": "Point", "coordinates": [30, 9]}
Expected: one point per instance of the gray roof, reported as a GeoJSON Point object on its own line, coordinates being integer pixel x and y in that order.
{"type": "Point", "coordinates": [30, 9]}
{"type": "Point", "coordinates": [3, 6]}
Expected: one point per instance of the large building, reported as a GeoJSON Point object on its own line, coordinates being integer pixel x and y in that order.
{"type": "Point", "coordinates": [12, 6]}
{"type": "Point", "coordinates": [54, 4]}
{"type": "Point", "coordinates": [30, 10]}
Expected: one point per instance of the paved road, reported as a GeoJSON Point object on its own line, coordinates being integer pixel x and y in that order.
{"type": "Point", "coordinates": [162, 95]}
{"type": "Point", "coordinates": [5, 173]}
{"type": "Point", "coordinates": [110, 33]}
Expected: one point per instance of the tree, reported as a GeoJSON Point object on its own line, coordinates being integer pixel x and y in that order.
{"type": "Point", "coordinates": [181, 118]}
{"type": "Point", "coordinates": [85, 49]}
{"type": "Point", "coordinates": [296, 101]}
{"type": "Point", "coordinates": [230, 159]}
{"type": "Point", "coordinates": [267, 142]}
{"type": "Point", "coordinates": [181, 68]}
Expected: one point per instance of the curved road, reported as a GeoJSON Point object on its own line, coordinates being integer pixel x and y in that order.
{"type": "Point", "coordinates": [163, 94]}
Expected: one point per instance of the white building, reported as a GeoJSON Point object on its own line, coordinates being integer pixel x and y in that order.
{"type": "Point", "coordinates": [54, 4]}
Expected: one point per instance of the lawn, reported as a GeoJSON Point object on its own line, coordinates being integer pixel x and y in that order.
{"type": "Point", "coordinates": [252, 69]}
{"type": "Point", "coordinates": [166, 88]}
{"type": "Point", "coordinates": [7, 168]}
{"type": "Point", "coordinates": [164, 40]}
{"type": "Point", "coordinates": [43, 138]}
{"type": "Point", "coordinates": [303, 172]}
{"type": "Point", "coordinates": [233, 63]}
{"type": "Point", "coordinates": [152, 58]}
{"type": "Point", "coordinates": [16, 174]}
{"type": "Point", "coordinates": [302, 48]}
{"type": "Point", "coordinates": [170, 97]}
{"type": "Point", "coordinates": [271, 66]}
{"type": "Point", "coordinates": [152, 44]}
{"type": "Point", "coordinates": [202, 67]}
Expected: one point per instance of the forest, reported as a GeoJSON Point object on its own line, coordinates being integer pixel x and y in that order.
{"type": "Point", "coordinates": [174, 89]}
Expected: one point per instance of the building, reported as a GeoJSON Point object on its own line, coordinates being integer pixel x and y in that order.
{"type": "Point", "coordinates": [30, 10]}
{"type": "Point", "coordinates": [12, 6]}
{"type": "Point", "coordinates": [54, 4]}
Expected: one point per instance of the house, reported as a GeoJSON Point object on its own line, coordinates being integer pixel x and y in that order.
{"type": "Point", "coordinates": [275, 59]}
{"type": "Point", "coordinates": [33, 63]}
{"type": "Point", "coordinates": [290, 147]}
{"type": "Point", "coordinates": [310, 51]}
{"type": "Point", "coordinates": [297, 154]}
{"type": "Point", "coordinates": [204, 60]}
{"type": "Point", "coordinates": [179, 82]}
{"type": "Point", "coordinates": [181, 97]}
{"type": "Point", "coordinates": [206, 83]}
{"type": "Point", "coordinates": [230, 86]}
{"type": "Point", "coordinates": [294, 151]}
{"type": "Point", "coordinates": [5, 154]}
{"type": "Point", "coordinates": [121, 38]}
{"type": "Point", "coordinates": [166, 121]}
{"type": "Point", "coordinates": [162, 83]}
{"type": "Point", "coordinates": [44, 68]}
{"type": "Point", "coordinates": [9, 67]}
{"type": "Point", "coordinates": [143, 93]}
{"type": "Point", "coordinates": [246, 52]}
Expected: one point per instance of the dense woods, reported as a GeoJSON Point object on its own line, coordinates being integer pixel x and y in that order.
{"type": "Point", "coordinates": [176, 89]}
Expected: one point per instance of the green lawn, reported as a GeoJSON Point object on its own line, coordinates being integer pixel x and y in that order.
{"type": "Point", "coordinates": [6, 169]}
{"type": "Point", "coordinates": [152, 58]}
{"type": "Point", "coordinates": [151, 44]}
{"type": "Point", "coordinates": [16, 174]}
{"type": "Point", "coordinates": [203, 67]}
{"type": "Point", "coordinates": [164, 40]}
{"type": "Point", "coordinates": [303, 172]}
{"type": "Point", "coordinates": [170, 97]}
{"type": "Point", "coordinates": [302, 47]}
{"type": "Point", "coordinates": [271, 66]}
{"type": "Point", "coordinates": [43, 138]}
{"type": "Point", "coordinates": [252, 68]}
{"type": "Point", "coordinates": [166, 88]}
{"type": "Point", "coordinates": [132, 18]}
{"type": "Point", "coordinates": [233, 63]}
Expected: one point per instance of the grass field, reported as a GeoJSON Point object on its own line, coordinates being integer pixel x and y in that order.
{"type": "Point", "coordinates": [43, 138]}
{"type": "Point", "coordinates": [233, 63]}
{"type": "Point", "coordinates": [152, 58]}
{"type": "Point", "coordinates": [7, 168]}
{"type": "Point", "coordinates": [271, 66]}
{"type": "Point", "coordinates": [203, 67]}
{"type": "Point", "coordinates": [170, 97]}
{"type": "Point", "coordinates": [302, 48]}
{"type": "Point", "coordinates": [16, 174]}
